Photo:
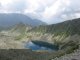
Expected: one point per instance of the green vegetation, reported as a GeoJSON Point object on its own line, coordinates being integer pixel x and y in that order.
{"type": "Point", "coordinates": [20, 36]}
{"type": "Point", "coordinates": [21, 28]}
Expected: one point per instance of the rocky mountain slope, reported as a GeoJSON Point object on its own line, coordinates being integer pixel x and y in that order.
{"type": "Point", "coordinates": [60, 31]}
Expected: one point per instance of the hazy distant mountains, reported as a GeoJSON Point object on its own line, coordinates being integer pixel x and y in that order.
{"type": "Point", "coordinates": [14, 18]}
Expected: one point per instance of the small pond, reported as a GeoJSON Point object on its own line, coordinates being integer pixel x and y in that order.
{"type": "Point", "coordinates": [39, 45]}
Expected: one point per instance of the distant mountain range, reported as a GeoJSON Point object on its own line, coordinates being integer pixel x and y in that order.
{"type": "Point", "coordinates": [10, 19]}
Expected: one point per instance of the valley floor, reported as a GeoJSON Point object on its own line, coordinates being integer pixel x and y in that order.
{"type": "Point", "coordinates": [9, 42]}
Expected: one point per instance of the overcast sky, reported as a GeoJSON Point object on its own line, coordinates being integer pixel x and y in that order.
{"type": "Point", "coordinates": [50, 11]}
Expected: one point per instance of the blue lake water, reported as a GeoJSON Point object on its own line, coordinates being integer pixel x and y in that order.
{"type": "Point", "coordinates": [34, 46]}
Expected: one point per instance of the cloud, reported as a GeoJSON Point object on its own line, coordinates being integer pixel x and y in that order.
{"type": "Point", "coordinates": [62, 10]}
{"type": "Point", "coordinates": [54, 10]}
{"type": "Point", "coordinates": [37, 5]}
{"type": "Point", "coordinates": [28, 6]}
{"type": "Point", "coordinates": [50, 11]}
{"type": "Point", "coordinates": [5, 2]}
{"type": "Point", "coordinates": [12, 5]}
{"type": "Point", "coordinates": [17, 5]}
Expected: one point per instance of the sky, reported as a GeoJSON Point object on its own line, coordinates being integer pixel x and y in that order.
{"type": "Point", "coordinates": [49, 11]}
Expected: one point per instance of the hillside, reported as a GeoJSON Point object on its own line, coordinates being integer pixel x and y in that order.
{"type": "Point", "coordinates": [65, 37]}
{"type": "Point", "coordinates": [20, 27]}
{"type": "Point", "coordinates": [59, 34]}
{"type": "Point", "coordinates": [62, 34]}
{"type": "Point", "coordinates": [59, 31]}
{"type": "Point", "coordinates": [70, 27]}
